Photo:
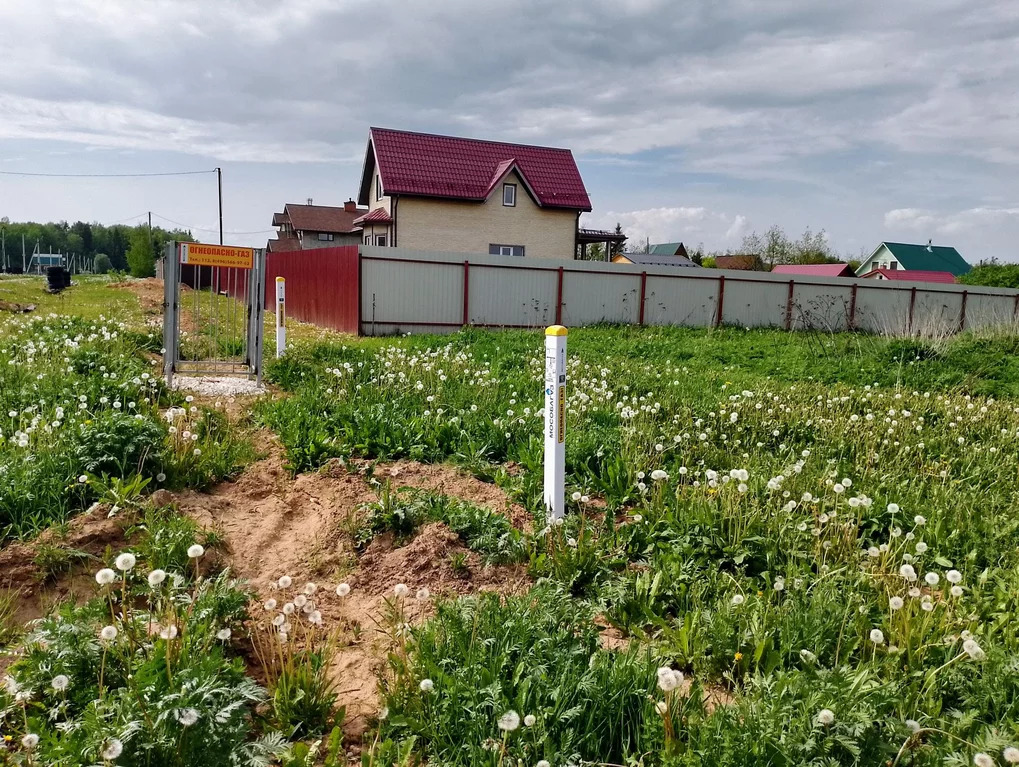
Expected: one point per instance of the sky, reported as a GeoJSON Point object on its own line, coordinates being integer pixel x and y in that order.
{"type": "Point", "coordinates": [699, 121]}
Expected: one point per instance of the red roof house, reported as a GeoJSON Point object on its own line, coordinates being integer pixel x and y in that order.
{"type": "Point", "coordinates": [910, 275]}
{"type": "Point", "coordinates": [469, 195]}
{"type": "Point", "coordinates": [302, 227]}
{"type": "Point", "coordinates": [815, 270]}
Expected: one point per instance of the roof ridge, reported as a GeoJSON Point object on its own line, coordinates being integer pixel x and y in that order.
{"type": "Point", "coordinates": [468, 138]}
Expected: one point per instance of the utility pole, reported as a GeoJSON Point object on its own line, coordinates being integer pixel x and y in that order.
{"type": "Point", "coordinates": [24, 265]}
{"type": "Point", "coordinates": [3, 248]}
{"type": "Point", "coordinates": [219, 184]}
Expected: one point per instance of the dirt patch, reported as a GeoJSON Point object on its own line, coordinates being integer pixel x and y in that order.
{"type": "Point", "coordinates": [274, 525]}
{"type": "Point", "coordinates": [91, 533]}
{"type": "Point", "coordinates": [8, 306]}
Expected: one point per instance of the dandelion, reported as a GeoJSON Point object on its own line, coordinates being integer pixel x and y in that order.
{"type": "Point", "coordinates": [895, 603]}
{"type": "Point", "coordinates": [113, 749]}
{"type": "Point", "coordinates": [108, 633]}
{"type": "Point", "coordinates": [955, 591]}
{"type": "Point", "coordinates": [953, 576]}
{"type": "Point", "coordinates": [423, 594]}
{"type": "Point", "coordinates": [60, 682]}
{"type": "Point", "coordinates": [932, 579]}
{"type": "Point", "coordinates": [270, 604]}
{"type": "Point", "coordinates": [662, 707]}
{"type": "Point", "coordinates": [223, 634]}
{"type": "Point", "coordinates": [779, 584]}
{"type": "Point", "coordinates": [105, 577]}
{"type": "Point", "coordinates": [426, 685]}
{"type": "Point", "coordinates": [170, 632]}
{"type": "Point", "coordinates": [156, 577]}
{"type": "Point", "coordinates": [920, 520]}
{"type": "Point", "coordinates": [342, 590]}
{"type": "Point", "coordinates": [285, 582]}
{"type": "Point", "coordinates": [186, 716]}
{"type": "Point", "coordinates": [30, 741]}
{"type": "Point", "coordinates": [1011, 755]}
{"type": "Point", "coordinates": [196, 551]}
{"type": "Point", "coordinates": [927, 605]}
{"type": "Point", "coordinates": [973, 650]}
{"type": "Point", "coordinates": [658, 475]}
{"type": "Point", "coordinates": [279, 620]}
{"type": "Point", "coordinates": [401, 590]}
{"type": "Point", "coordinates": [877, 636]}
{"type": "Point", "coordinates": [982, 760]}
{"type": "Point", "coordinates": [825, 716]}
{"type": "Point", "coordinates": [82, 479]}
{"type": "Point", "coordinates": [509, 721]}
{"type": "Point", "coordinates": [575, 496]}
{"type": "Point", "coordinates": [288, 608]}
{"type": "Point", "coordinates": [738, 599]}
{"type": "Point", "coordinates": [669, 679]}
{"type": "Point", "coordinates": [529, 720]}
{"type": "Point", "coordinates": [808, 656]}
{"type": "Point", "coordinates": [543, 763]}
{"type": "Point", "coordinates": [921, 547]}
{"type": "Point", "coordinates": [310, 588]}
{"type": "Point", "coordinates": [125, 562]}
{"type": "Point", "coordinates": [912, 725]}
{"type": "Point", "coordinates": [908, 572]}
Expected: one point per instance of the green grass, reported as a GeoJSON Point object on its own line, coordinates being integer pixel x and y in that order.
{"type": "Point", "coordinates": [90, 296]}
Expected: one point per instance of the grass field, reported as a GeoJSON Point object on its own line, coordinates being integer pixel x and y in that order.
{"type": "Point", "coordinates": [781, 548]}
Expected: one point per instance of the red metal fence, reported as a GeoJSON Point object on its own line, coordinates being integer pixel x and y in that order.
{"type": "Point", "coordinates": [323, 285]}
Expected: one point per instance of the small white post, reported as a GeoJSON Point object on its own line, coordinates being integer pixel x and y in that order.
{"type": "Point", "coordinates": [555, 421]}
{"type": "Point", "coordinates": [281, 319]}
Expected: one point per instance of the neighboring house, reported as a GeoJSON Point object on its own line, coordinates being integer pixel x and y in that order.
{"type": "Point", "coordinates": [669, 249]}
{"type": "Point", "coordinates": [745, 261]}
{"type": "Point", "coordinates": [914, 275]}
{"type": "Point", "coordinates": [466, 195]}
{"type": "Point", "coordinates": [302, 227]}
{"type": "Point", "coordinates": [815, 270]}
{"type": "Point", "coordinates": [651, 259]}
{"type": "Point", "coordinates": [897, 256]}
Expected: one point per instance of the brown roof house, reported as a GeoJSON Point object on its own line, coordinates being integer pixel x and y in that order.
{"type": "Point", "coordinates": [746, 261]}
{"type": "Point", "coordinates": [470, 196]}
{"type": "Point", "coordinates": [303, 227]}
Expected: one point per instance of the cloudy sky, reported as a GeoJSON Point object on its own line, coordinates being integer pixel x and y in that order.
{"type": "Point", "coordinates": [699, 121]}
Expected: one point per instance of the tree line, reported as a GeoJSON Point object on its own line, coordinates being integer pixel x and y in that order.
{"type": "Point", "coordinates": [118, 247]}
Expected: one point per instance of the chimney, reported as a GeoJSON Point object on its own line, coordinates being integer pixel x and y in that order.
{"type": "Point", "coordinates": [310, 201]}
{"type": "Point", "coordinates": [350, 206]}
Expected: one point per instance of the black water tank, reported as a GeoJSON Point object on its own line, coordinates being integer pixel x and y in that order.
{"type": "Point", "coordinates": [57, 278]}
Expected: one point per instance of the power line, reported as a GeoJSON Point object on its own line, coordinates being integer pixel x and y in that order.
{"type": "Point", "coordinates": [203, 229]}
{"type": "Point", "coordinates": [105, 175]}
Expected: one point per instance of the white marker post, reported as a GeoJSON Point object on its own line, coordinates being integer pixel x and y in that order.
{"type": "Point", "coordinates": [281, 318]}
{"type": "Point", "coordinates": [555, 421]}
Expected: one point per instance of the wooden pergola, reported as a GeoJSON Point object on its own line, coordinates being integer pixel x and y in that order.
{"type": "Point", "coordinates": [587, 237]}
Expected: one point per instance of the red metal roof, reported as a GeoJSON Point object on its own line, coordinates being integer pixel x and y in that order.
{"type": "Point", "coordinates": [817, 270]}
{"type": "Point", "coordinates": [321, 218]}
{"type": "Point", "coordinates": [377, 216]}
{"type": "Point", "coordinates": [911, 275]}
{"type": "Point", "coordinates": [465, 169]}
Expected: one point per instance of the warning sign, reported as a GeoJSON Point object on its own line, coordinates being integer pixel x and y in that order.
{"type": "Point", "coordinates": [562, 413]}
{"type": "Point", "coordinates": [199, 254]}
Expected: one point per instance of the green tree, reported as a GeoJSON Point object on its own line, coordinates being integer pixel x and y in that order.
{"type": "Point", "coordinates": [102, 264]}
{"type": "Point", "coordinates": [992, 274]}
{"type": "Point", "coordinates": [141, 257]}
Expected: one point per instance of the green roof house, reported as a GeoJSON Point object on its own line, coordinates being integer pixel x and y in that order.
{"type": "Point", "coordinates": [668, 249]}
{"type": "Point", "coordinates": [914, 258]}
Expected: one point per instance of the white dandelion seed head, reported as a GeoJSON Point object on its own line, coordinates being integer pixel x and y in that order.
{"type": "Point", "coordinates": [509, 721]}
{"type": "Point", "coordinates": [921, 547]}
{"type": "Point", "coordinates": [955, 591]}
{"type": "Point", "coordinates": [30, 741]}
{"type": "Point", "coordinates": [575, 496]}
{"type": "Point", "coordinates": [1011, 755]}
{"type": "Point", "coordinates": [738, 599]}
{"type": "Point", "coordinates": [105, 577]}
{"type": "Point", "coordinates": [662, 707]}
{"type": "Point", "coordinates": [973, 650]}
{"type": "Point", "coordinates": [543, 763]}
{"type": "Point", "coordinates": [401, 590]}
{"type": "Point", "coordinates": [108, 633]}
{"type": "Point", "coordinates": [908, 572]}
{"type": "Point", "coordinates": [669, 679]}
{"type": "Point", "coordinates": [223, 634]}
{"type": "Point", "coordinates": [426, 685]}
{"type": "Point", "coordinates": [125, 561]}
{"type": "Point", "coordinates": [529, 720]}
{"type": "Point", "coordinates": [877, 636]}
{"type": "Point", "coordinates": [288, 608]}
{"type": "Point", "coordinates": [912, 725]}
{"type": "Point", "coordinates": [113, 749]}
{"type": "Point", "coordinates": [932, 579]}
{"type": "Point", "coordinates": [343, 589]}
{"type": "Point", "coordinates": [423, 594]}
{"type": "Point", "coordinates": [300, 600]}
{"type": "Point", "coordinates": [60, 682]}
{"type": "Point", "coordinates": [310, 588]}
{"type": "Point", "coordinates": [186, 716]}
{"type": "Point", "coordinates": [896, 603]}
{"type": "Point", "coordinates": [269, 604]}
{"type": "Point", "coordinates": [156, 577]}
{"type": "Point", "coordinates": [825, 716]}
{"type": "Point", "coordinates": [658, 475]}
{"type": "Point", "coordinates": [953, 576]}
{"type": "Point", "coordinates": [285, 582]}
{"type": "Point", "coordinates": [981, 759]}
{"type": "Point", "coordinates": [195, 551]}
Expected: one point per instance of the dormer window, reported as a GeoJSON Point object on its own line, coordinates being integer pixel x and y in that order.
{"type": "Point", "coordinates": [378, 187]}
{"type": "Point", "coordinates": [509, 195]}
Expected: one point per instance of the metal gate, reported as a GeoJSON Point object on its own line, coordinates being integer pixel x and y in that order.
{"type": "Point", "coordinates": [213, 307]}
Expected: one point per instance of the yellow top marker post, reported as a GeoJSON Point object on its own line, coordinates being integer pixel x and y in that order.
{"type": "Point", "coordinates": [556, 330]}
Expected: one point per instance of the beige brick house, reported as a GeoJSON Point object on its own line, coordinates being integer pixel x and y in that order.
{"type": "Point", "coordinates": [431, 192]}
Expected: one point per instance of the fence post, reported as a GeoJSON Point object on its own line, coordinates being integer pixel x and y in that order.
{"type": "Point", "coordinates": [555, 421]}
{"type": "Point", "coordinates": [962, 311]}
{"type": "Point", "coordinates": [1015, 309]}
{"type": "Point", "coordinates": [852, 308]}
{"type": "Point", "coordinates": [720, 304]}
{"type": "Point", "coordinates": [912, 305]}
{"type": "Point", "coordinates": [467, 293]}
{"type": "Point", "coordinates": [559, 299]}
{"type": "Point", "coordinates": [643, 295]}
{"type": "Point", "coordinates": [789, 306]}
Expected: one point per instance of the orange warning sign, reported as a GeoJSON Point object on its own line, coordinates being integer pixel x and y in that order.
{"type": "Point", "coordinates": [199, 254]}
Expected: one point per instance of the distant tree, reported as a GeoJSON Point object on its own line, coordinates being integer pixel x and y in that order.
{"type": "Point", "coordinates": [617, 247]}
{"type": "Point", "coordinates": [992, 274]}
{"type": "Point", "coordinates": [102, 264]}
{"type": "Point", "coordinates": [697, 255]}
{"type": "Point", "coordinates": [708, 262]}
{"type": "Point", "coordinates": [141, 257]}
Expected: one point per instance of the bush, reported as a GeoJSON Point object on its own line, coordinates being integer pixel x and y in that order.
{"type": "Point", "coordinates": [102, 264]}
{"type": "Point", "coordinates": [992, 275]}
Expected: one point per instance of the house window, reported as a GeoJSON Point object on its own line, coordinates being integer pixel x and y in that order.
{"type": "Point", "coordinates": [506, 250]}
{"type": "Point", "coordinates": [325, 236]}
{"type": "Point", "coordinates": [509, 195]}
{"type": "Point", "coordinates": [893, 265]}
{"type": "Point", "coordinates": [380, 240]}
{"type": "Point", "coordinates": [378, 187]}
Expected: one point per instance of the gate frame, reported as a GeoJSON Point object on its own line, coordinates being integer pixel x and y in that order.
{"type": "Point", "coordinates": [255, 307]}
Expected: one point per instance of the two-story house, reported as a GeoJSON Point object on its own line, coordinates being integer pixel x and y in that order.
{"type": "Point", "coordinates": [302, 227]}
{"type": "Point", "coordinates": [431, 192]}
{"type": "Point", "coordinates": [900, 256]}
